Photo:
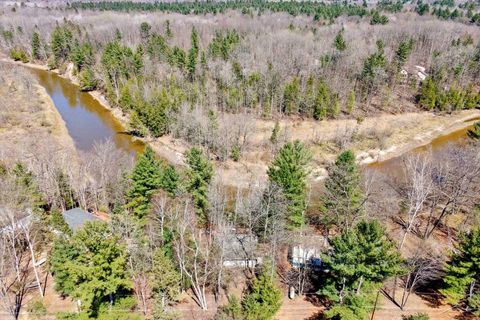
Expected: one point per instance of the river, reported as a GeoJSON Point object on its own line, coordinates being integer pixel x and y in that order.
{"type": "Point", "coordinates": [87, 121]}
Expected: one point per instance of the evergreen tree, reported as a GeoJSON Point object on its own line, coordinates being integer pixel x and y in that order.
{"type": "Point", "coordinates": [91, 266]}
{"type": "Point", "coordinates": [65, 190]}
{"type": "Point", "coordinates": [275, 132]}
{"type": "Point", "coordinates": [61, 44]}
{"type": "Point", "coordinates": [264, 298]}
{"type": "Point", "coordinates": [165, 279]}
{"type": "Point", "coordinates": [192, 63]}
{"type": "Point", "coordinates": [194, 40]}
{"type": "Point", "coordinates": [35, 45]}
{"type": "Point", "coordinates": [362, 254]}
{"type": "Point", "coordinates": [339, 42]}
{"type": "Point", "coordinates": [146, 179]}
{"type": "Point", "coordinates": [29, 192]}
{"type": "Point", "coordinates": [373, 65]}
{"type": "Point", "coordinates": [291, 96]}
{"type": "Point", "coordinates": [342, 202]}
{"type": "Point", "coordinates": [358, 261]}
{"type": "Point", "coordinates": [168, 30]}
{"type": "Point", "coordinates": [463, 273]}
{"type": "Point", "coordinates": [351, 102]}
{"type": "Point", "coordinates": [377, 18]}
{"type": "Point", "coordinates": [200, 174]}
{"type": "Point", "coordinates": [402, 53]}
{"type": "Point", "coordinates": [322, 101]}
{"type": "Point", "coordinates": [429, 94]}
{"type": "Point", "coordinates": [289, 171]}
{"type": "Point", "coordinates": [57, 222]}
{"type": "Point", "coordinates": [145, 30]}
{"type": "Point", "coordinates": [170, 180]}
{"type": "Point", "coordinates": [86, 79]}
{"type": "Point", "coordinates": [63, 253]}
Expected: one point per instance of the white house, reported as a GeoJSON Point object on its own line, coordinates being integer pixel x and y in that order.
{"type": "Point", "coordinates": [306, 251]}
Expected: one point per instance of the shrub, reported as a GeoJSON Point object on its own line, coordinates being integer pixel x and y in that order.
{"type": "Point", "coordinates": [235, 153]}
{"type": "Point", "coordinates": [416, 316]}
{"type": "Point", "coordinates": [87, 80]}
{"type": "Point", "coordinates": [378, 19]}
{"type": "Point", "coordinates": [37, 309]}
{"type": "Point", "coordinates": [19, 55]}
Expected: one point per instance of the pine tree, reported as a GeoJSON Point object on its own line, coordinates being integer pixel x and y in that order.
{"type": "Point", "coordinates": [373, 63]}
{"type": "Point", "coordinates": [165, 279]}
{"type": "Point", "coordinates": [145, 30]}
{"type": "Point", "coordinates": [429, 94]}
{"type": "Point", "coordinates": [86, 79]}
{"type": "Point", "coordinates": [264, 298]}
{"type": "Point", "coordinates": [463, 272]}
{"type": "Point", "coordinates": [289, 171]}
{"type": "Point", "coordinates": [168, 30]}
{"type": "Point", "coordinates": [290, 96]}
{"type": "Point", "coordinates": [200, 174]}
{"type": "Point", "coordinates": [362, 254]}
{"type": "Point", "coordinates": [170, 180]}
{"type": "Point", "coordinates": [91, 265]}
{"type": "Point", "coordinates": [192, 63]}
{"type": "Point", "coordinates": [146, 179]}
{"type": "Point", "coordinates": [402, 53]}
{"type": "Point", "coordinates": [322, 102]}
{"type": "Point", "coordinates": [359, 260]}
{"type": "Point", "coordinates": [275, 131]}
{"type": "Point", "coordinates": [35, 45]}
{"type": "Point", "coordinates": [351, 102]}
{"type": "Point", "coordinates": [194, 40]}
{"type": "Point", "coordinates": [339, 42]}
{"type": "Point", "coordinates": [29, 192]}
{"type": "Point", "coordinates": [342, 202]}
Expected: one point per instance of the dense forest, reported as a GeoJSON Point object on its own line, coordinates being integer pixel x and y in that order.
{"type": "Point", "coordinates": [164, 240]}
{"type": "Point", "coordinates": [158, 70]}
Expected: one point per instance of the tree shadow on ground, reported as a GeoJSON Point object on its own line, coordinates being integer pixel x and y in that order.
{"type": "Point", "coordinates": [317, 316]}
{"type": "Point", "coordinates": [430, 293]}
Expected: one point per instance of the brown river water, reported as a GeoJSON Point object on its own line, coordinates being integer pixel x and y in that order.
{"type": "Point", "coordinates": [88, 121]}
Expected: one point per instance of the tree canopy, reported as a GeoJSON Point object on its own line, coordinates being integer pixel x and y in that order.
{"type": "Point", "coordinates": [289, 170]}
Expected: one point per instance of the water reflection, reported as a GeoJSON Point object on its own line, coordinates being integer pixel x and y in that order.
{"type": "Point", "coordinates": [86, 119]}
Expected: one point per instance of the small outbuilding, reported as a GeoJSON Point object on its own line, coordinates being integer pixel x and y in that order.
{"type": "Point", "coordinates": [240, 250]}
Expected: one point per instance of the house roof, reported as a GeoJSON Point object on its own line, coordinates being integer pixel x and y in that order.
{"type": "Point", "coordinates": [239, 246]}
{"type": "Point", "coordinates": [76, 218]}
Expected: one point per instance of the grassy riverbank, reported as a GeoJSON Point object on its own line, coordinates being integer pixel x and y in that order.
{"type": "Point", "coordinates": [30, 126]}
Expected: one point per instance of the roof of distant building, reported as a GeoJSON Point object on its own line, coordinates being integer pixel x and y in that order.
{"type": "Point", "coordinates": [76, 218]}
{"type": "Point", "coordinates": [239, 246]}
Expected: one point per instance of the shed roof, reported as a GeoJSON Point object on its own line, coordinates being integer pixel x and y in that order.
{"type": "Point", "coordinates": [76, 218]}
{"type": "Point", "coordinates": [239, 246]}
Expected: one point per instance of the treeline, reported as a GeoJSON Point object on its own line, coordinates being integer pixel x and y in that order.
{"type": "Point", "coordinates": [156, 101]}
{"type": "Point", "coordinates": [319, 10]}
